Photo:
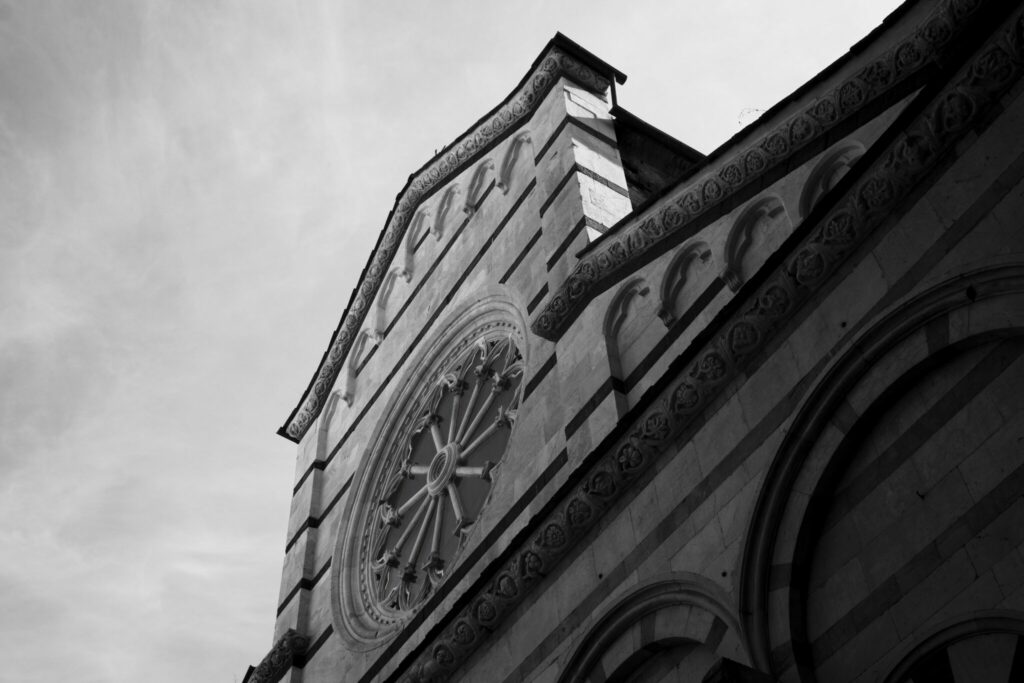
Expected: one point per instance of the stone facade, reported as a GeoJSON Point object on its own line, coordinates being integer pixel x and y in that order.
{"type": "Point", "coordinates": [765, 418]}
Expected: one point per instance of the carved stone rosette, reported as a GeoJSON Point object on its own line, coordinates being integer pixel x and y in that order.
{"type": "Point", "coordinates": [427, 477]}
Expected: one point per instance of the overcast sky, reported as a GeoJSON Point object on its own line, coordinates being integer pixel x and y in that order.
{"type": "Point", "coordinates": [188, 190]}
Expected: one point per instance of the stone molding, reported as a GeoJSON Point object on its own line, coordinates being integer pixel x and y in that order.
{"type": "Point", "coordinates": [677, 589]}
{"type": "Point", "coordinates": [665, 223]}
{"type": "Point", "coordinates": [279, 660]}
{"type": "Point", "coordinates": [788, 282]}
{"type": "Point", "coordinates": [561, 59]}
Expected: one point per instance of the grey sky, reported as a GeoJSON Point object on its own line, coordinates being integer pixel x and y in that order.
{"type": "Point", "coordinates": [188, 191]}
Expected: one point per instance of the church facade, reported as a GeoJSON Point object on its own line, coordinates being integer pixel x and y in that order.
{"type": "Point", "coordinates": [603, 408]}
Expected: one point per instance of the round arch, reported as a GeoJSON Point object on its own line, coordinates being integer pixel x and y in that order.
{"type": "Point", "coordinates": [992, 638]}
{"type": "Point", "coordinates": [972, 309]}
{"type": "Point", "coordinates": [676, 610]}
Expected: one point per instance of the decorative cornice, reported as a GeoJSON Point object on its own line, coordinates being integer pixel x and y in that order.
{"type": "Point", "coordinates": [664, 224]}
{"type": "Point", "coordinates": [790, 279]}
{"type": "Point", "coordinates": [280, 658]}
{"type": "Point", "coordinates": [561, 58]}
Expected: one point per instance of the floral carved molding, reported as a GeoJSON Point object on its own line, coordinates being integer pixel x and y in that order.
{"type": "Point", "coordinates": [664, 224]}
{"type": "Point", "coordinates": [909, 157]}
{"type": "Point", "coordinates": [280, 658]}
{"type": "Point", "coordinates": [518, 107]}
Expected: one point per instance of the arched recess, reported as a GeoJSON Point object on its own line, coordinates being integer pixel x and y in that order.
{"type": "Point", "coordinates": [985, 646]}
{"type": "Point", "coordinates": [829, 171]}
{"type": "Point", "coordinates": [880, 514]}
{"type": "Point", "coordinates": [444, 210]}
{"type": "Point", "coordinates": [758, 231]}
{"type": "Point", "coordinates": [628, 332]}
{"type": "Point", "coordinates": [692, 256]}
{"type": "Point", "coordinates": [365, 343]}
{"type": "Point", "coordinates": [384, 309]}
{"type": "Point", "coordinates": [670, 628]}
{"type": "Point", "coordinates": [414, 237]}
{"type": "Point", "coordinates": [478, 185]}
{"type": "Point", "coordinates": [508, 164]}
{"type": "Point", "coordinates": [330, 407]}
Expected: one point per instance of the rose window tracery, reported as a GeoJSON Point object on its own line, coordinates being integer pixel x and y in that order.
{"type": "Point", "coordinates": [440, 479]}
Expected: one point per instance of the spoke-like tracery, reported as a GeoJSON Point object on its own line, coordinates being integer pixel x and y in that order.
{"type": "Point", "coordinates": [444, 479]}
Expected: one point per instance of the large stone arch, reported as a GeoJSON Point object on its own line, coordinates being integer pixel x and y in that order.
{"type": "Point", "coordinates": [885, 362]}
{"type": "Point", "coordinates": [948, 650]}
{"type": "Point", "coordinates": [672, 617]}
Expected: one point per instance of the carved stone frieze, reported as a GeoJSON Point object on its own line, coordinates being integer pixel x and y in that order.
{"type": "Point", "coordinates": [909, 158]}
{"type": "Point", "coordinates": [280, 658]}
{"type": "Point", "coordinates": [657, 227]}
{"type": "Point", "coordinates": [517, 108]}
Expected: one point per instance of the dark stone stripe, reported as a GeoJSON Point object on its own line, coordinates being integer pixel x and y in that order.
{"type": "Point", "coordinates": [303, 584]}
{"type": "Point", "coordinates": [673, 521]}
{"type": "Point", "coordinates": [371, 352]}
{"type": "Point", "coordinates": [420, 241]}
{"type": "Point", "coordinates": [522, 255]}
{"type": "Point", "coordinates": [444, 252]}
{"type": "Point", "coordinates": [538, 377]}
{"type": "Point", "coordinates": [315, 465]}
{"type": "Point", "coordinates": [572, 121]}
{"type": "Point", "coordinates": [567, 242]}
{"type": "Point", "coordinates": [314, 522]}
{"type": "Point", "coordinates": [465, 565]}
{"type": "Point", "coordinates": [716, 634]}
{"type": "Point", "coordinates": [537, 299]}
{"type": "Point", "coordinates": [430, 321]}
{"type": "Point", "coordinates": [303, 660]}
{"type": "Point", "coordinates": [923, 564]}
{"type": "Point", "coordinates": [558, 189]}
{"type": "Point", "coordinates": [673, 332]}
{"type": "Point", "coordinates": [976, 380]}
{"type": "Point", "coordinates": [589, 407]}
{"type": "Point", "coordinates": [602, 180]}
{"type": "Point", "coordinates": [473, 208]}
{"type": "Point", "coordinates": [577, 168]}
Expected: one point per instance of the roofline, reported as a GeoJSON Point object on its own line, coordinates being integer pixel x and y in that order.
{"type": "Point", "coordinates": [707, 159]}
{"type": "Point", "coordinates": [561, 57]}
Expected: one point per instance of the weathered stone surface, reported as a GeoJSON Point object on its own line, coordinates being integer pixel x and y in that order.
{"type": "Point", "coordinates": [793, 451]}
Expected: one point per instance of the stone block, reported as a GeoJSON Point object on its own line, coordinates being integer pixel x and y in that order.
{"type": "Point", "coordinates": [834, 596]}
{"type": "Point", "coordinates": [929, 596]}
{"type": "Point", "coordinates": [993, 462]}
{"type": "Point", "coordinates": [860, 652]}
{"type": "Point", "coordinates": [998, 539]}
{"type": "Point", "coordinates": [720, 434]}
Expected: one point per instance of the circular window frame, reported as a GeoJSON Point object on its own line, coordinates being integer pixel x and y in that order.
{"type": "Point", "coordinates": [363, 624]}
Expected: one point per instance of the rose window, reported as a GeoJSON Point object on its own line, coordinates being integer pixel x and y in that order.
{"type": "Point", "coordinates": [441, 476]}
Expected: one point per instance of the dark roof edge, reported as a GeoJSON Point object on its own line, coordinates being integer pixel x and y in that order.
{"type": "Point", "coordinates": [582, 54]}
{"type": "Point", "coordinates": [892, 18]}
{"type": "Point", "coordinates": [631, 120]}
